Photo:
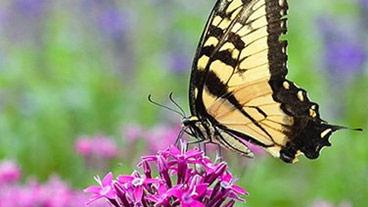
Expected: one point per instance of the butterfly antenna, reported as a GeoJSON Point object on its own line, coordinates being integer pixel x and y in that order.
{"type": "Point", "coordinates": [163, 106]}
{"type": "Point", "coordinates": [176, 104]}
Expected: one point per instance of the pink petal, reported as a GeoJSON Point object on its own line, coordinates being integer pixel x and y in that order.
{"type": "Point", "coordinates": [125, 178]}
{"type": "Point", "coordinates": [201, 189]}
{"type": "Point", "coordinates": [93, 189]}
{"type": "Point", "coordinates": [93, 199]}
{"type": "Point", "coordinates": [239, 190]}
{"type": "Point", "coordinates": [174, 150]}
{"type": "Point", "coordinates": [192, 153]}
{"type": "Point", "coordinates": [107, 180]}
{"type": "Point", "coordinates": [138, 193]}
{"type": "Point", "coordinates": [175, 191]}
{"type": "Point", "coordinates": [162, 188]}
{"type": "Point", "coordinates": [151, 180]}
{"type": "Point", "coordinates": [110, 193]}
{"type": "Point", "coordinates": [197, 204]}
{"type": "Point", "coordinates": [227, 177]}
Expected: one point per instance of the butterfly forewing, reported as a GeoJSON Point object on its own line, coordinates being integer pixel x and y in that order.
{"type": "Point", "coordinates": [238, 82]}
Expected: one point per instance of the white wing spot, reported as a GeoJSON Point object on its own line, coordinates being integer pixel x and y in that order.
{"type": "Point", "coordinates": [300, 95]}
{"type": "Point", "coordinates": [195, 92]}
{"type": "Point", "coordinates": [324, 133]}
{"type": "Point", "coordinates": [282, 24]}
{"type": "Point", "coordinates": [312, 113]}
{"type": "Point", "coordinates": [283, 50]}
{"type": "Point", "coordinates": [286, 85]}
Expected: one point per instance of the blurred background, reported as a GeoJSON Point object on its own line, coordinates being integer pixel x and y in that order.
{"type": "Point", "coordinates": [75, 75]}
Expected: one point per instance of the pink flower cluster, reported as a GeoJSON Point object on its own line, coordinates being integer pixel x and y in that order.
{"type": "Point", "coordinates": [97, 146]}
{"type": "Point", "coordinates": [183, 178]}
{"type": "Point", "coordinates": [9, 172]}
{"type": "Point", "coordinates": [156, 138]}
{"type": "Point", "coordinates": [53, 193]}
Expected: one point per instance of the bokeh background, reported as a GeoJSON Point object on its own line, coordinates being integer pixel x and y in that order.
{"type": "Point", "coordinates": [75, 75]}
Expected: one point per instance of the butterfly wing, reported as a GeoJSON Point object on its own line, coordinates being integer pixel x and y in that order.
{"type": "Point", "coordinates": [238, 82]}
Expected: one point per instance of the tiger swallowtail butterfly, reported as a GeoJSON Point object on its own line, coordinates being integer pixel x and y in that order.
{"type": "Point", "coordinates": [238, 88]}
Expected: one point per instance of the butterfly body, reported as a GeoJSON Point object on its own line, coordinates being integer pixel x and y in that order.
{"type": "Point", "coordinates": [206, 131]}
{"type": "Point", "coordinates": [238, 89]}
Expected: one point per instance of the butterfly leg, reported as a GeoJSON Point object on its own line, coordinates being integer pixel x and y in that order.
{"type": "Point", "coordinates": [233, 143]}
{"type": "Point", "coordinates": [219, 152]}
{"type": "Point", "coordinates": [180, 136]}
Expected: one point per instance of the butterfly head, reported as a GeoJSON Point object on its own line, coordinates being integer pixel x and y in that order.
{"type": "Point", "coordinates": [197, 128]}
{"type": "Point", "coordinates": [189, 121]}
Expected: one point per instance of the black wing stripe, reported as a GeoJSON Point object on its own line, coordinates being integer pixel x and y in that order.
{"type": "Point", "coordinates": [257, 107]}
{"type": "Point", "coordinates": [276, 122]}
{"type": "Point", "coordinates": [215, 86]}
{"type": "Point", "coordinates": [259, 110]}
{"type": "Point", "coordinates": [236, 104]}
{"type": "Point", "coordinates": [218, 88]}
{"type": "Point", "coordinates": [261, 123]}
{"type": "Point", "coordinates": [254, 53]}
{"type": "Point", "coordinates": [225, 56]}
{"type": "Point", "coordinates": [238, 135]}
{"type": "Point", "coordinates": [224, 99]}
{"type": "Point", "coordinates": [215, 31]}
{"type": "Point", "coordinates": [207, 50]}
{"type": "Point", "coordinates": [265, 119]}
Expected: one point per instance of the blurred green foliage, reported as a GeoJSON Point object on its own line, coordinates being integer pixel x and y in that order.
{"type": "Point", "coordinates": [66, 71]}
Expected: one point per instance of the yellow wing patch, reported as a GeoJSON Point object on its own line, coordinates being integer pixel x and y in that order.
{"type": "Point", "coordinates": [256, 100]}
{"type": "Point", "coordinates": [245, 37]}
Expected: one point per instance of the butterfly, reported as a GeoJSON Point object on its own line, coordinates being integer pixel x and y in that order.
{"type": "Point", "coordinates": [238, 88]}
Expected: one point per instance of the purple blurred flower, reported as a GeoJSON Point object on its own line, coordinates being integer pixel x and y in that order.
{"type": "Point", "coordinates": [344, 56]}
{"type": "Point", "coordinates": [363, 4]}
{"type": "Point", "coordinates": [344, 53]}
{"type": "Point", "coordinates": [30, 8]}
{"type": "Point", "coordinates": [97, 146]}
{"type": "Point", "coordinates": [54, 193]}
{"type": "Point", "coordinates": [183, 178]}
{"type": "Point", "coordinates": [23, 21]}
{"type": "Point", "coordinates": [114, 22]}
{"type": "Point", "coordinates": [178, 63]}
{"type": "Point", "coordinates": [9, 172]}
